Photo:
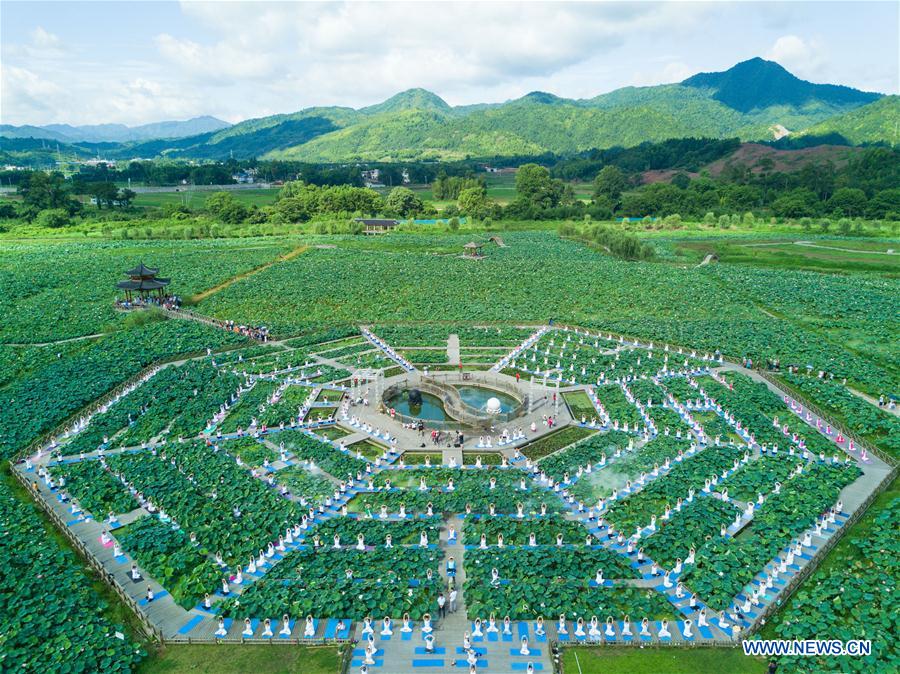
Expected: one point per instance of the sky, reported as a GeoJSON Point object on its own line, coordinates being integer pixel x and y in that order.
{"type": "Point", "coordinates": [140, 62]}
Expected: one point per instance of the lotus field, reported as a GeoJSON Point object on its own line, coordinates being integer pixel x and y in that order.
{"type": "Point", "coordinates": [220, 483]}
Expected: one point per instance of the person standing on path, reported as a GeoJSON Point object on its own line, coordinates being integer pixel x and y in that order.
{"type": "Point", "coordinates": [442, 605]}
{"type": "Point", "coordinates": [453, 600]}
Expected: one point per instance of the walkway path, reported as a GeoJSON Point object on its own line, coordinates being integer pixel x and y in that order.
{"type": "Point", "coordinates": [869, 399]}
{"type": "Point", "coordinates": [810, 244]}
{"type": "Point", "coordinates": [60, 341]}
{"type": "Point", "coordinates": [453, 349]}
{"type": "Point", "coordinates": [247, 274]}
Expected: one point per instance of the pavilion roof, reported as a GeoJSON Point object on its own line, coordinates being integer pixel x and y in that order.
{"type": "Point", "coordinates": [142, 270]}
{"type": "Point", "coordinates": [383, 222]}
{"type": "Point", "coordinates": [144, 284]}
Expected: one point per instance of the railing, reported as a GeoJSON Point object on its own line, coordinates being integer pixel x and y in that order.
{"type": "Point", "coordinates": [443, 386]}
{"type": "Point", "coordinates": [798, 397]}
{"type": "Point", "coordinates": [149, 628]}
{"type": "Point", "coordinates": [813, 564]}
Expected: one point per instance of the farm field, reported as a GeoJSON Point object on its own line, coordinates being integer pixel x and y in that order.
{"type": "Point", "coordinates": [196, 198]}
{"type": "Point", "coordinates": [662, 414]}
{"type": "Point", "coordinates": [823, 256]}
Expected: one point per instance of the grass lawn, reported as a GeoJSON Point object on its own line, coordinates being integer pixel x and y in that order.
{"type": "Point", "coordinates": [197, 198]}
{"type": "Point", "coordinates": [789, 255]}
{"type": "Point", "coordinates": [605, 660]}
{"type": "Point", "coordinates": [242, 658]}
{"type": "Point", "coordinates": [330, 396]}
{"type": "Point", "coordinates": [333, 432]}
{"type": "Point", "coordinates": [418, 458]}
{"type": "Point", "coordinates": [580, 405]}
{"type": "Point", "coordinates": [554, 441]}
{"type": "Point", "coordinates": [368, 448]}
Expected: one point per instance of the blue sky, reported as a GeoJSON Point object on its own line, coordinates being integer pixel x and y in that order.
{"type": "Point", "coordinates": [138, 62]}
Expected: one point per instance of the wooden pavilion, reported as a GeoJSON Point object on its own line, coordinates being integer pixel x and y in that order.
{"type": "Point", "coordinates": [377, 225]}
{"type": "Point", "coordinates": [144, 281]}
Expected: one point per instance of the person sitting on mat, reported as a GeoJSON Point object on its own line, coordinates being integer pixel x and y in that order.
{"type": "Point", "coordinates": [285, 630]}
{"type": "Point", "coordinates": [645, 627]}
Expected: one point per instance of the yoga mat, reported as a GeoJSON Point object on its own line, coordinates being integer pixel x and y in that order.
{"type": "Point", "coordinates": [427, 662]}
{"type": "Point", "coordinates": [191, 624]}
{"type": "Point", "coordinates": [315, 629]}
{"type": "Point", "coordinates": [532, 652]}
{"type": "Point", "coordinates": [438, 650]}
{"type": "Point", "coordinates": [156, 595]}
{"type": "Point", "coordinates": [280, 626]}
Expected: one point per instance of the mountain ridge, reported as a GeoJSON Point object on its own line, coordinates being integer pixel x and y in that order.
{"type": "Point", "coordinates": [118, 133]}
{"type": "Point", "coordinates": [753, 101]}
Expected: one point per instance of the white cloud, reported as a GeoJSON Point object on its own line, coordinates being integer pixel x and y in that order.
{"type": "Point", "coordinates": [367, 51]}
{"type": "Point", "coordinates": [246, 59]}
{"type": "Point", "coordinates": [224, 61]}
{"type": "Point", "coordinates": [43, 39]}
{"type": "Point", "coordinates": [805, 58]}
{"type": "Point", "coordinates": [24, 92]}
{"type": "Point", "coordinates": [671, 72]}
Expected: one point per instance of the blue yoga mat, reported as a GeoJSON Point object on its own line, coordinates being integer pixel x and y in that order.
{"type": "Point", "coordinates": [532, 653]}
{"type": "Point", "coordinates": [427, 662]}
{"type": "Point", "coordinates": [705, 632]}
{"type": "Point", "coordinates": [358, 662]}
{"type": "Point", "coordinates": [464, 664]}
{"type": "Point", "coordinates": [315, 628]}
{"type": "Point", "coordinates": [522, 666]}
{"type": "Point", "coordinates": [291, 624]}
{"type": "Point", "coordinates": [191, 624]}
{"type": "Point", "coordinates": [438, 650]}
{"type": "Point", "coordinates": [522, 627]}
{"type": "Point", "coordinates": [158, 595]}
{"type": "Point", "coordinates": [254, 623]}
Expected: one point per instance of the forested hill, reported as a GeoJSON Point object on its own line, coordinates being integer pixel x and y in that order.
{"type": "Point", "coordinates": [754, 100]}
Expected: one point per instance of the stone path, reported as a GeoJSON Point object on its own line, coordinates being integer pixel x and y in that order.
{"type": "Point", "coordinates": [453, 349]}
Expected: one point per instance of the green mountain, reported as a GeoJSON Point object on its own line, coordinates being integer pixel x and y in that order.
{"type": "Point", "coordinates": [872, 123]}
{"type": "Point", "coordinates": [756, 84]}
{"type": "Point", "coordinates": [748, 101]}
{"type": "Point", "coordinates": [115, 133]}
{"type": "Point", "coordinates": [411, 99]}
{"type": "Point", "coordinates": [754, 100]}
